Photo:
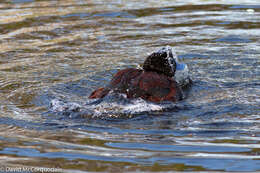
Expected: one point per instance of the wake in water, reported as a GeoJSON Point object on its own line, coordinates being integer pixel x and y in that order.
{"type": "Point", "coordinates": [114, 105]}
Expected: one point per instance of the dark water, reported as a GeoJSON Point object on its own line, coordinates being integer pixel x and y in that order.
{"type": "Point", "coordinates": [63, 50]}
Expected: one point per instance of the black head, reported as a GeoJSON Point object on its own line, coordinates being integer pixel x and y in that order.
{"type": "Point", "coordinates": [163, 61]}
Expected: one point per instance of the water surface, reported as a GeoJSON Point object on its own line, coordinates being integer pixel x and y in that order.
{"type": "Point", "coordinates": [63, 50]}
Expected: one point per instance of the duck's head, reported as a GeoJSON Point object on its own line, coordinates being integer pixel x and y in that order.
{"type": "Point", "coordinates": [162, 61]}
{"type": "Point", "coordinates": [165, 61]}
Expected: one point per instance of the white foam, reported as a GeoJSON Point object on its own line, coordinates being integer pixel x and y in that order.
{"type": "Point", "coordinates": [113, 105]}
{"type": "Point", "coordinates": [60, 106]}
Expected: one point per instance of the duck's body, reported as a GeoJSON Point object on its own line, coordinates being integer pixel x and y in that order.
{"type": "Point", "coordinates": [155, 82]}
{"type": "Point", "coordinates": [148, 85]}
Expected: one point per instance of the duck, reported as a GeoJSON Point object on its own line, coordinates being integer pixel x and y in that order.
{"type": "Point", "coordinates": [156, 81]}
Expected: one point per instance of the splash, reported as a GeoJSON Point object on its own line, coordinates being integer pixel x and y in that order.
{"type": "Point", "coordinates": [114, 105]}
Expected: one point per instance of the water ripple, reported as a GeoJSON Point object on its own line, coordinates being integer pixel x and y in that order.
{"type": "Point", "coordinates": [55, 53]}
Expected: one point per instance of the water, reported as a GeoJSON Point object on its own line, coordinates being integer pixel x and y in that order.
{"type": "Point", "coordinates": [63, 50]}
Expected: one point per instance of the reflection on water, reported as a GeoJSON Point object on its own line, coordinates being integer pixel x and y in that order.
{"type": "Point", "coordinates": [62, 50]}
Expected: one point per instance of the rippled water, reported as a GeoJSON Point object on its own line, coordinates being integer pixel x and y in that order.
{"type": "Point", "coordinates": [63, 50]}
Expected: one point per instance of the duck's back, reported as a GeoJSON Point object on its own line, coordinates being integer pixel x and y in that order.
{"type": "Point", "coordinates": [147, 85]}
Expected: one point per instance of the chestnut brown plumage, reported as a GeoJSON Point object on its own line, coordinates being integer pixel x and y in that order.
{"type": "Point", "coordinates": [153, 83]}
